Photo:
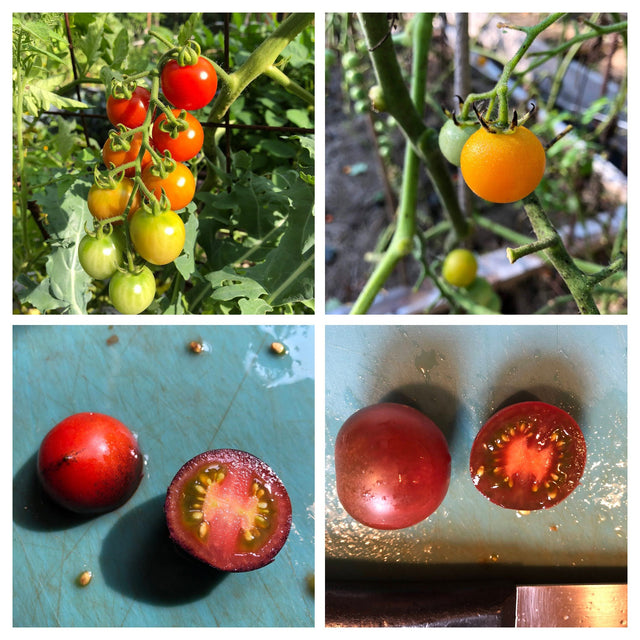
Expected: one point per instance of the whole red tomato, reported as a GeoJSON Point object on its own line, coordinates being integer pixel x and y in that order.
{"type": "Point", "coordinates": [129, 112]}
{"type": "Point", "coordinates": [392, 466]}
{"type": "Point", "coordinates": [186, 144]}
{"type": "Point", "coordinates": [90, 463]}
{"type": "Point", "coordinates": [189, 87]}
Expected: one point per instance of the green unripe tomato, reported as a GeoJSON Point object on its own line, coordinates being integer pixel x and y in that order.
{"type": "Point", "coordinates": [354, 77]}
{"type": "Point", "coordinates": [132, 292]}
{"type": "Point", "coordinates": [101, 255]}
{"type": "Point", "coordinates": [350, 60]}
{"type": "Point", "coordinates": [452, 138]}
{"type": "Point", "coordinates": [378, 101]}
{"type": "Point", "coordinates": [357, 93]}
{"type": "Point", "coordinates": [459, 267]}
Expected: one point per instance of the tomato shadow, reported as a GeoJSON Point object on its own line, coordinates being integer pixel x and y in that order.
{"type": "Point", "coordinates": [139, 560]}
{"type": "Point", "coordinates": [432, 400]}
{"type": "Point", "coordinates": [32, 507]}
{"type": "Point", "coordinates": [546, 378]}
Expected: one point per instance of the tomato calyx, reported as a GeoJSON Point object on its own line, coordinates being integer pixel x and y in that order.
{"type": "Point", "coordinates": [494, 127]}
{"type": "Point", "coordinates": [173, 125]}
{"type": "Point", "coordinates": [122, 89]}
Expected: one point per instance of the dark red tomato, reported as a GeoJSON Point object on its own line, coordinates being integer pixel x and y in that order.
{"type": "Point", "coordinates": [132, 112]}
{"type": "Point", "coordinates": [392, 466]}
{"type": "Point", "coordinates": [190, 87]}
{"type": "Point", "coordinates": [90, 463]}
{"type": "Point", "coordinates": [528, 456]}
{"type": "Point", "coordinates": [228, 509]}
{"type": "Point", "coordinates": [186, 144]}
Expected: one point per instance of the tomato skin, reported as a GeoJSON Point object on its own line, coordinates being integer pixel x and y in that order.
{"type": "Point", "coordinates": [503, 167]}
{"type": "Point", "coordinates": [158, 238]}
{"type": "Point", "coordinates": [186, 145]}
{"type": "Point", "coordinates": [132, 112]}
{"type": "Point", "coordinates": [460, 267]}
{"type": "Point", "coordinates": [100, 257]}
{"type": "Point", "coordinates": [190, 87]}
{"type": "Point", "coordinates": [110, 203]}
{"type": "Point", "coordinates": [392, 466]}
{"type": "Point", "coordinates": [528, 456]}
{"type": "Point", "coordinates": [131, 293]}
{"type": "Point", "coordinates": [452, 138]}
{"type": "Point", "coordinates": [118, 158]}
{"type": "Point", "coordinates": [243, 480]}
{"type": "Point", "coordinates": [90, 463]}
{"type": "Point", "coordinates": [179, 185]}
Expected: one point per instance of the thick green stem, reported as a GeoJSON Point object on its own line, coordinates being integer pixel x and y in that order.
{"type": "Point", "coordinates": [579, 284]}
{"type": "Point", "coordinates": [407, 114]}
{"type": "Point", "coordinates": [402, 240]}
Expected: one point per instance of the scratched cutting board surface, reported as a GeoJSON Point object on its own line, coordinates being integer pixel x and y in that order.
{"type": "Point", "coordinates": [459, 376]}
{"type": "Point", "coordinates": [236, 394]}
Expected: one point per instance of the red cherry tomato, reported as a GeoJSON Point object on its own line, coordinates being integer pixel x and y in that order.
{"type": "Point", "coordinates": [392, 466]}
{"type": "Point", "coordinates": [132, 112]}
{"type": "Point", "coordinates": [530, 455]}
{"type": "Point", "coordinates": [179, 185]}
{"type": "Point", "coordinates": [90, 463]}
{"type": "Point", "coordinates": [189, 87]}
{"type": "Point", "coordinates": [186, 144]}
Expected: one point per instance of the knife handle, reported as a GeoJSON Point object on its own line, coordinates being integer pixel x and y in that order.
{"type": "Point", "coordinates": [417, 604]}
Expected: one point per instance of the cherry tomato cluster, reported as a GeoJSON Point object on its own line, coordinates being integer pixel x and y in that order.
{"type": "Point", "coordinates": [146, 179]}
{"type": "Point", "coordinates": [393, 465]}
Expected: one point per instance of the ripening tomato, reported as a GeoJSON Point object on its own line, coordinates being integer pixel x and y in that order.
{"type": "Point", "coordinates": [459, 267]}
{"type": "Point", "coordinates": [157, 237]}
{"type": "Point", "coordinates": [503, 167]}
{"type": "Point", "coordinates": [179, 185]}
{"type": "Point", "coordinates": [111, 203]}
{"type": "Point", "coordinates": [186, 144]}
{"type": "Point", "coordinates": [120, 157]}
{"type": "Point", "coordinates": [189, 87]}
{"type": "Point", "coordinates": [131, 292]}
{"type": "Point", "coordinates": [129, 112]}
{"type": "Point", "coordinates": [528, 456]}
{"type": "Point", "coordinates": [392, 466]}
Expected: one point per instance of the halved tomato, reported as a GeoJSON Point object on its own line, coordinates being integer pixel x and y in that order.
{"type": "Point", "coordinates": [228, 509]}
{"type": "Point", "coordinates": [528, 456]}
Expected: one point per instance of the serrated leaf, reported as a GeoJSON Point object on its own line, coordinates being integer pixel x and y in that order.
{"type": "Point", "coordinates": [186, 261]}
{"type": "Point", "coordinates": [38, 99]}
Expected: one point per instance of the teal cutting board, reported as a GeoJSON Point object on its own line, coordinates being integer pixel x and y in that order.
{"type": "Point", "coordinates": [235, 394]}
{"type": "Point", "coordinates": [459, 376]}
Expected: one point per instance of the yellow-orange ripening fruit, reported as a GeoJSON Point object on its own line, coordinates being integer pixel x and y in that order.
{"type": "Point", "coordinates": [502, 167]}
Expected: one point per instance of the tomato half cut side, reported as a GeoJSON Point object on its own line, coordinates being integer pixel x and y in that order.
{"type": "Point", "coordinates": [528, 456]}
{"type": "Point", "coordinates": [392, 466]}
{"type": "Point", "coordinates": [229, 509]}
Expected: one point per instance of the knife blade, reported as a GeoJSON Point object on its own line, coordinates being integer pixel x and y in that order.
{"type": "Point", "coordinates": [572, 605]}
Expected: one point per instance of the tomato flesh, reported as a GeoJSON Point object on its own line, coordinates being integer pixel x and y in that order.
{"type": "Point", "coordinates": [528, 456]}
{"type": "Point", "coordinates": [90, 463]}
{"type": "Point", "coordinates": [392, 466]}
{"type": "Point", "coordinates": [229, 509]}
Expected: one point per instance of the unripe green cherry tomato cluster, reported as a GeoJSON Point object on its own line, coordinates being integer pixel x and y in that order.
{"type": "Point", "coordinates": [134, 202]}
